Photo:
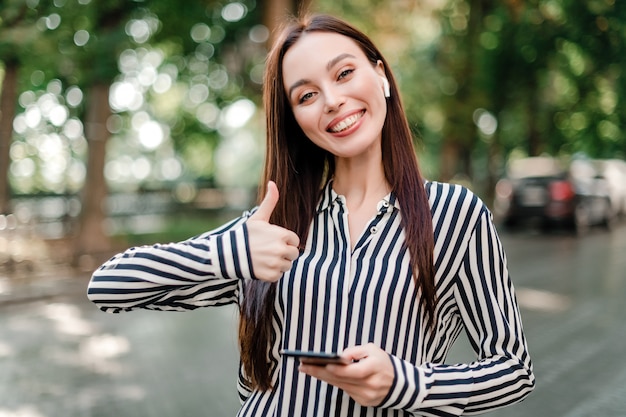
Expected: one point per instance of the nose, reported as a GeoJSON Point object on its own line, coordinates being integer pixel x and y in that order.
{"type": "Point", "coordinates": [333, 99]}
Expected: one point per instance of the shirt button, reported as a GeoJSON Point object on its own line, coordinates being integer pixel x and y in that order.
{"type": "Point", "coordinates": [373, 230]}
{"type": "Point", "coordinates": [385, 203]}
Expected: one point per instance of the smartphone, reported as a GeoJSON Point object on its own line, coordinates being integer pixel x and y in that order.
{"type": "Point", "coordinates": [316, 358]}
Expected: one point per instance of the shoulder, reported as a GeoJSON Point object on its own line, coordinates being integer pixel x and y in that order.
{"type": "Point", "coordinates": [446, 198]}
{"type": "Point", "coordinates": [443, 195]}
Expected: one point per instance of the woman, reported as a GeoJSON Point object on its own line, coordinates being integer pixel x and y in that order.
{"type": "Point", "coordinates": [357, 255]}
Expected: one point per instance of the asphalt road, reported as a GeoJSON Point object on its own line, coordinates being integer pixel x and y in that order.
{"type": "Point", "coordinates": [572, 292]}
{"type": "Point", "coordinates": [61, 357]}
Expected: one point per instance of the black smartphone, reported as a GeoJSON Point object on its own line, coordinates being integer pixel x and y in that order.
{"type": "Point", "coordinates": [316, 358]}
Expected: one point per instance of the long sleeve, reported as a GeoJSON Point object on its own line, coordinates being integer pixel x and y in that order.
{"type": "Point", "coordinates": [502, 373]}
{"type": "Point", "coordinates": [206, 270]}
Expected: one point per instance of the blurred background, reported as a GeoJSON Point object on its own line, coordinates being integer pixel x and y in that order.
{"type": "Point", "coordinates": [129, 122]}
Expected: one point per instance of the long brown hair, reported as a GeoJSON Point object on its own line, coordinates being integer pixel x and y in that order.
{"type": "Point", "coordinates": [301, 169]}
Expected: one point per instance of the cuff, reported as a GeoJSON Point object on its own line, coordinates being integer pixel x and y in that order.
{"type": "Point", "coordinates": [232, 253]}
{"type": "Point", "coordinates": [408, 389]}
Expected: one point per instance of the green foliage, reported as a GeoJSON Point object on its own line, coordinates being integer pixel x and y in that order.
{"type": "Point", "coordinates": [548, 72]}
{"type": "Point", "coordinates": [200, 52]}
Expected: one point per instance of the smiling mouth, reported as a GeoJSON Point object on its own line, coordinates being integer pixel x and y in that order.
{"type": "Point", "coordinates": [346, 123]}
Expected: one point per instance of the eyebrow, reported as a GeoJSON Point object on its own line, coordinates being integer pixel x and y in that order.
{"type": "Point", "coordinates": [296, 85]}
{"type": "Point", "coordinates": [336, 59]}
{"type": "Point", "coordinates": [330, 64]}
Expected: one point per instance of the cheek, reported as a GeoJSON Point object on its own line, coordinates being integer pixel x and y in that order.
{"type": "Point", "coordinates": [307, 119]}
{"type": "Point", "coordinates": [309, 125]}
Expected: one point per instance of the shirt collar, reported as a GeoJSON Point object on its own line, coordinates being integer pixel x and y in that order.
{"type": "Point", "coordinates": [330, 197]}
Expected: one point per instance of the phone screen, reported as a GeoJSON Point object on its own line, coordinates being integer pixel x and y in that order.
{"type": "Point", "coordinates": [316, 358]}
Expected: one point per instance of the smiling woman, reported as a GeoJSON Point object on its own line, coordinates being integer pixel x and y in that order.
{"type": "Point", "coordinates": [350, 254]}
{"type": "Point", "coordinates": [337, 95]}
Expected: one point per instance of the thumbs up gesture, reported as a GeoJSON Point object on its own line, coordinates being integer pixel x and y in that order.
{"type": "Point", "coordinates": [272, 248]}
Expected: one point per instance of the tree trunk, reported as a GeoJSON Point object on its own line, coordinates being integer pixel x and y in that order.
{"type": "Point", "coordinates": [449, 162]}
{"type": "Point", "coordinates": [460, 133]}
{"type": "Point", "coordinates": [275, 11]}
{"type": "Point", "coordinates": [534, 134]}
{"type": "Point", "coordinates": [8, 98]}
{"type": "Point", "coordinates": [92, 242]}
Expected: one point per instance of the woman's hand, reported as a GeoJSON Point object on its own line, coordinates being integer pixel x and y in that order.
{"type": "Point", "coordinates": [272, 248]}
{"type": "Point", "coordinates": [367, 381]}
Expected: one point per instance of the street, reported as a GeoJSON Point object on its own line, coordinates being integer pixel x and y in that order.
{"type": "Point", "coordinates": [571, 291]}
{"type": "Point", "coordinates": [61, 357]}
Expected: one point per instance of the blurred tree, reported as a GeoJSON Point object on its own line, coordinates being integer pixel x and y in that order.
{"type": "Point", "coordinates": [222, 46]}
{"type": "Point", "coordinates": [17, 33]}
{"type": "Point", "coordinates": [274, 12]}
{"type": "Point", "coordinates": [517, 46]}
{"type": "Point", "coordinates": [587, 65]}
{"type": "Point", "coordinates": [460, 57]}
{"type": "Point", "coordinates": [480, 79]}
{"type": "Point", "coordinates": [210, 48]}
{"type": "Point", "coordinates": [8, 98]}
{"type": "Point", "coordinates": [98, 30]}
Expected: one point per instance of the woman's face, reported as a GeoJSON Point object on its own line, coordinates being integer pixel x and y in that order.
{"type": "Point", "coordinates": [336, 93]}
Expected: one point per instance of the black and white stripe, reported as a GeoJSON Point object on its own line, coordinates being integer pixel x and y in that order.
{"type": "Point", "coordinates": [334, 297]}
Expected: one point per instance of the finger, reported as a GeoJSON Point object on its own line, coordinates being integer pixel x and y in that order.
{"type": "Point", "coordinates": [357, 353]}
{"type": "Point", "coordinates": [325, 374]}
{"type": "Point", "coordinates": [292, 253]}
{"type": "Point", "coordinates": [330, 370]}
{"type": "Point", "coordinates": [285, 266]}
{"type": "Point", "coordinates": [292, 239]}
{"type": "Point", "coordinates": [354, 372]}
{"type": "Point", "coordinates": [268, 204]}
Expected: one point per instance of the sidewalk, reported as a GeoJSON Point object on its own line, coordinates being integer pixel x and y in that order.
{"type": "Point", "coordinates": [49, 281]}
{"type": "Point", "coordinates": [60, 356]}
{"type": "Point", "coordinates": [32, 268]}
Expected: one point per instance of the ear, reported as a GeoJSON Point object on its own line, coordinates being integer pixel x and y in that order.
{"type": "Point", "coordinates": [386, 87]}
{"type": "Point", "coordinates": [380, 69]}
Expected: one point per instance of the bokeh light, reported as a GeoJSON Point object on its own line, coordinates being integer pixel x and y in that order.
{"type": "Point", "coordinates": [234, 12]}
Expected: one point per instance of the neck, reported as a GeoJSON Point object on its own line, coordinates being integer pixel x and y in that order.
{"type": "Point", "coordinates": [360, 180]}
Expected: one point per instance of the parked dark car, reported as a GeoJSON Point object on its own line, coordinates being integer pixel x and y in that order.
{"type": "Point", "coordinates": [542, 189]}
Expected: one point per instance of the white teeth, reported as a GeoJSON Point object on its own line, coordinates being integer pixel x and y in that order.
{"type": "Point", "coordinates": [346, 123]}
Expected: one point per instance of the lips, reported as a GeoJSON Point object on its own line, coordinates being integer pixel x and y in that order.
{"type": "Point", "coordinates": [346, 123]}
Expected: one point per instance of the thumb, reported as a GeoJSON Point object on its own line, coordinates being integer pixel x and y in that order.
{"type": "Point", "coordinates": [268, 204]}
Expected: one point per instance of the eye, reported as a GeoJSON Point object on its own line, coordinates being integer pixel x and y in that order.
{"type": "Point", "coordinates": [343, 74]}
{"type": "Point", "coordinates": [305, 97]}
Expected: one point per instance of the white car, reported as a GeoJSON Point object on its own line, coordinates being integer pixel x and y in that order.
{"type": "Point", "coordinates": [614, 171]}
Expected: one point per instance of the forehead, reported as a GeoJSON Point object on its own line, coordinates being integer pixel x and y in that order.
{"type": "Point", "coordinates": [314, 50]}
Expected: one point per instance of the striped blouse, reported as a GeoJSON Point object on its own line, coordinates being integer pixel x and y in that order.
{"type": "Point", "coordinates": [334, 297]}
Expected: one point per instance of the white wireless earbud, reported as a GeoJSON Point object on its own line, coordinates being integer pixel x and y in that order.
{"type": "Point", "coordinates": [386, 87]}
